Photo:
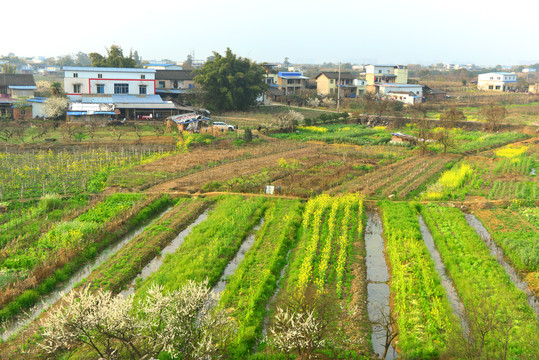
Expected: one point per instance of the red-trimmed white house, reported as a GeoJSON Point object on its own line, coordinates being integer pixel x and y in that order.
{"type": "Point", "coordinates": [108, 81]}
{"type": "Point", "coordinates": [100, 93]}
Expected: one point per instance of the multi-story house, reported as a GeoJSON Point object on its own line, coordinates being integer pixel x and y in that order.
{"type": "Point", "coordinates": [108, 81]}
{"type": "Point", "coordinates": [327, 82]}
{"type": "Point", "coordinates": [291, 82]}
{"type": "Point", "coordinates": [104, 93]}
{"type": "Point", "coordinates": [497, 81]}
{"type": "Point", "coordinates": [376, 74]}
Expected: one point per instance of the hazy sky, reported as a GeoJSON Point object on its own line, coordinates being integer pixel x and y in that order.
{"type": "Point", "coordinates": [483, 32]}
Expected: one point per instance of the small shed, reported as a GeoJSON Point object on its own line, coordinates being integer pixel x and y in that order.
{"type": "Point", "coordinates": [191, 122]}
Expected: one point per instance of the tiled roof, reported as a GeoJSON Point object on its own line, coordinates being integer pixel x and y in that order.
{"type": "Point", "coordinates": [174, 75]}
{"type": "Point", "coordinates": [17, 80]}
{"type": "Point", "coordinates": [335, 75]}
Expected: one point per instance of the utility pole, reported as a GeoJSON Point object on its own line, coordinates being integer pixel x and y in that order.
{"type": "Point", "coordinates": [339, 88]}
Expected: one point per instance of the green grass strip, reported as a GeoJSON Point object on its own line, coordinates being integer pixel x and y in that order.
{"type": "Point", "coordinates": [424, 316]}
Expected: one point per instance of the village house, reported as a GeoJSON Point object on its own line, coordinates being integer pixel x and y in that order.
{"type": "Point", "coordinates": [14, 89]}
{"type": "Point", "coordinates": [497, 81]}
{"type": "Point", "coordinates": [97, 93]}
{"type": "Point", "coordinates": [328, 81]}
{"type": "Point", "coordinates": [376, 74]}
{"type": "Point", "coordinates": [174, 81]}
{"type": "Point", "coordinates": [534, 89]}
{"type": "Point", "coordinates": [291, 82]}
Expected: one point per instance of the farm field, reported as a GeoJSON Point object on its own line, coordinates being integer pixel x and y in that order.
{"type": "Point", "coordinates": [424, 317]}
{"type": "Point", "coordinates": [294, 258]}
{"type": "Point", "coordinates": [326, 276]}
{"type": "Point", "coordinates": [518, 235]}
{"type": "Point", "coordinates": [65, 172]}
{"type": "Point", "coordinates": [35, 268]}
{"type": "Point", "coordinates": [483, 286]}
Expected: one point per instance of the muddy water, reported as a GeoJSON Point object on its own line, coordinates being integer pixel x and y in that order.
{"type": "Point", "coordinates": [157, 261]}
{"type": "Point", "coordinates": [454, 300]}
{"type": "Point", "coordinates": [497, 252]}
{"type": "Point", "coordinates": [233, 265]}
{"type": "Point", "coordinates": [377, 287]}
{"type": "Point", "coordinates": [46, 301]}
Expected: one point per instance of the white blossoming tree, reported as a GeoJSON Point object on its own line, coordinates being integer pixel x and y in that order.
{"type": "Point", "coordinates": [296, 331]}
{"type": "Point", "coordinates": [55, 107]}
{"type": "Point", "coordinates": [183, 323]}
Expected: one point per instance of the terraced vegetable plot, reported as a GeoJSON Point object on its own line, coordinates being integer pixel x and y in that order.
{"type": "Point", "coordinates": [518, 238]}
{"type": "Point", "coordinates": [340, 134]}
{"type": "Point", "coordinates": [37, 266]}
{"type": "Point", "coordinates": [25, 176]}
{"type": "Point", "coordinates": [327, 267]}
{"type": "Point", "coordinates": [485, 289]}
{"type": "Point", "coordinates": [255, 279]}
{"type": "Point", "coordinates": [399, 179]}
{"type": "Point", "coordinates": [424, 316]}
{"type": "Point", "coordinates": [210, 246]}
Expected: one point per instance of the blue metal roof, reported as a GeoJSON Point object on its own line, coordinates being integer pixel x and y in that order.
{"type": "Point", "coordinates": [22, 87]}
{"type": "Point", "coordinates": [135, 99]}
{"type": "Point", "coordinates": [37, 100]}
{"type": "Point", "coordinates": [283, 73]}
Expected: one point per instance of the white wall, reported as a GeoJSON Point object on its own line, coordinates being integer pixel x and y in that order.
{"type": "Point", "coordinates": [89, 78]}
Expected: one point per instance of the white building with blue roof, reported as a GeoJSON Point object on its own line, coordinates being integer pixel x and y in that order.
{"type": "Point", "coordinates": [497, 81]}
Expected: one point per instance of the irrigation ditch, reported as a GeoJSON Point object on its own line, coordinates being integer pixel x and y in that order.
{"type": "Point", "coordinates": [378, 294]}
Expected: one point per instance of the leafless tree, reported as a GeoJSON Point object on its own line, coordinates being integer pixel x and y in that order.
{"type": "Point", "coordinates": [494, 114]}
{"type": "Point", "coordinates": [387, 326]}
{"type": "Point", "coordinates": [451, 116]}
{"type": "Point", "coordinates": [424, 135]}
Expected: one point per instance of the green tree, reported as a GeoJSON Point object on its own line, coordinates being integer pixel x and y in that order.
{"type": "Point", "coordinates": [115, 58]}
{"type": "Point", "coordinates": [230, 82]}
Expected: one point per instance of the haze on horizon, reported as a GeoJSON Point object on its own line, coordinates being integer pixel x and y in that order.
{"type": "Point", "coordinates": [305, 31]}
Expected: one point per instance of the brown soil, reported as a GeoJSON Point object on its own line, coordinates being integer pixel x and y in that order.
{"type": "Point", "coordinates": [194, 182]}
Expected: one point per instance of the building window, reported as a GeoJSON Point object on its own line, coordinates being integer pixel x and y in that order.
{"type": "Point", "coordinates": [498, 87]}
{"type": "Point", "coordinates": [76, 88]}
{"type": "Point", "coordinates": [175, 84]}
{"type": "Point", "coordinates": [161, 84]}
{"type": "Point", "coordinates": [100, 88]}
{"type": "Point", "coordinates": [143, 76]}
{"type": "Point", "coordinates": [121, 88]}
{"type": "Point", "coordinates": [75, 75]}
{"type": "Point", "coordinates": [22, 112]}
{"type": "Point", "coordinates": [142, 89]}
{"type": "Point", "coordinates": [331, 81]}
{"type": "Point", "coordinates": [100, 76]}
{"type": "Point", "coordinates": [490, 87]}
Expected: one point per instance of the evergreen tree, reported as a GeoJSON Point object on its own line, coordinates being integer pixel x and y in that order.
{"type": "Point", "coordinates": [230, 82]}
